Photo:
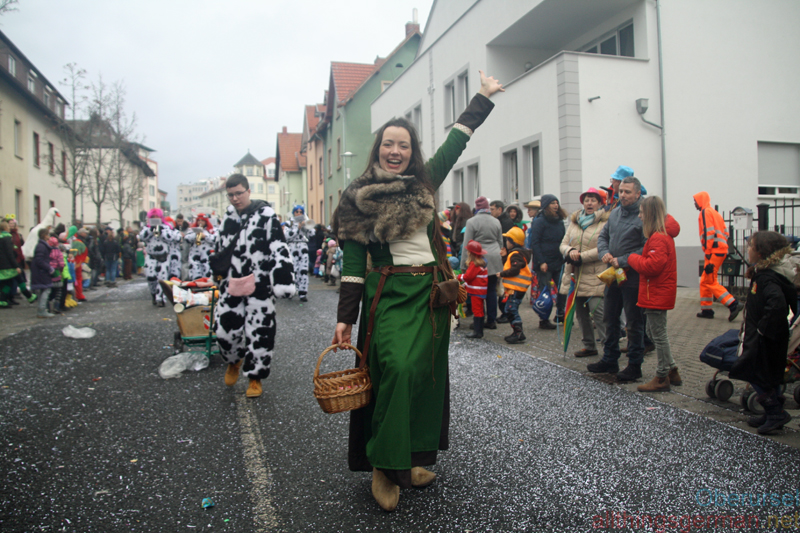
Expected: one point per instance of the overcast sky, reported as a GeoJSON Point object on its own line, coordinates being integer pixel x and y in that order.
{"type": "Point", "coordinates": [209, 80]}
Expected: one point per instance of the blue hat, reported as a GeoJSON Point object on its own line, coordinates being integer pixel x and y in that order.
{"type": "Point", "coordinates": [300, 207]}
{"type": "Point", "coordinates": [622, 173]}
{"type": "Point", "coordinates": [644, 191]}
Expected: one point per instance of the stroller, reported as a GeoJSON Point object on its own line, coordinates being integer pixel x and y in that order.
{"type": "Point", "coordinates": [722, 352]}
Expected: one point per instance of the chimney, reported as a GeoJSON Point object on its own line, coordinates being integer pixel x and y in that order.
{"type": "Point", "coordinates": [412, 26]}
{"type": "Point", "coordinates": [284, 129]}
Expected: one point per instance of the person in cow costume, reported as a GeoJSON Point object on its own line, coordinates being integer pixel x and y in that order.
{"type": "Point", "coordinates": [174, 250]}
{"type": "Point", "coordinates": [202, 239]}
{"type": "Point", "coordinates": [157, 237]}
{"type": "Point", "coordinates": [260, 269]}
{"type": "Point", "coordinates": [297, 234]}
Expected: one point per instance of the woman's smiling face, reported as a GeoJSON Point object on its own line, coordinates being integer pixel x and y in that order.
{"type": "Point", "coordinates": [395, 153]}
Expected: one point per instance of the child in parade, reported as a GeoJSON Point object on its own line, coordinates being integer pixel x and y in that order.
{"type": "Point", "coordinates": [57, 263]}
{"type": "Point", "coordinates": [516, 276]}
{"type": "Point", "coordinates": [476, 280]}
{"type": "Point", "coordinates": [658, 285]}
{"type": "Point", "coordinates": [765, 329]}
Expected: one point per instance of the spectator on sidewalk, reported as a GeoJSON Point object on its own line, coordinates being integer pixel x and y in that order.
{"type": "Point", "coordinates": [486, 229]}
{"type": "Point", "coordinates": [583, 264]}
{"type": "Point", "coordinates": [714, 239]}
{"type": "Point", "coordinates": [498, 211]}
{"type": "Point", "coordinates": [658, 286]}
{"type": "Point", "coordinates": [548, 232]}
{"type": "Point", "coordinates": [41, 273]}
{"type": "Point", "coordinates": [515, 214]}
{"type": "Point", "coordinates": [765, 340]}
{"type": "Point", "coordinates": [619, 238]}
{"type": "Point", "coordinates": [111, 251]}
{"type": "Point", "coordinates": [459, 215]}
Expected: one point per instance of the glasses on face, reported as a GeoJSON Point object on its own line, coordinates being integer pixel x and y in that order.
{"type": "Point", "coordinates": [234, 195]}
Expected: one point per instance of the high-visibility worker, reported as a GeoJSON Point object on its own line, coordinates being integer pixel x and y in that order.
{"type": "Point", "coordinates": [714, 239]}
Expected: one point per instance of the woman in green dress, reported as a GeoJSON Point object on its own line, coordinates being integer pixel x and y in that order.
{"type": "Point", "coordinates": [389, 213]}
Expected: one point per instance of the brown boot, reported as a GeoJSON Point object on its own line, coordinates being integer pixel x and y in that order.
{"type": "Point", "coordinates": [254, 390]}
{"type": "Point", "coordinates": [232, 374]}
{"type": "Point", "coordinates": [421, 477]}
{"type": "Point", "coordinates": [656, 384]}
{"type": "Point", "coordinates": [386, 493]}
{"type": "Point", "coordinates": [674, 377]}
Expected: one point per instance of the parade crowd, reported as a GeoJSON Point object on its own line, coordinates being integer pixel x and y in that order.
{"type": "Point", "coordinates": [611, 264]}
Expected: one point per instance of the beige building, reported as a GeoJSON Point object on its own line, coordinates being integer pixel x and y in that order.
{"type": "Point", "coordinates": [32, 157]}
{"type": "Point", "coordinates": [313, 146]}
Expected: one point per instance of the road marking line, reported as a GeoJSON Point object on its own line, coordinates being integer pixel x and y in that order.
{"type": "Point", "coordinates": [256, 467]}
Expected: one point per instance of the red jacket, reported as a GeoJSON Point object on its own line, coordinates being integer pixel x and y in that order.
{"type": "Point", "coordinates": [658, 268]}
{"type": "Point", "coordinates": [476, 280]}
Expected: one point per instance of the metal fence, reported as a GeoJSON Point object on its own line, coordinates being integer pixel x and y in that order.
{"type": "Point", "coordinates": [783, 216]}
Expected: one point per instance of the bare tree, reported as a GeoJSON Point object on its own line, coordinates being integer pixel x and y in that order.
{"type": "Point", "coordinates": [101, 142]}
{"type": "Point", "coordinates": [73, 166]}
{"type": "Point", "coordinates": [8, 5]}
{"type": "Point", "coordinates": [127, 170]}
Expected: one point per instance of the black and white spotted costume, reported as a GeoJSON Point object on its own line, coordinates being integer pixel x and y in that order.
{"type": "Point", "coordinates": [175, 256]}
{"type": "Point", "coordinates": [297, 235]}
{"type": "Point", "coordinates": [245, 325]}
{"type": "Point", "coordinates": [157, 244]}
{"type": "Point", "coordinates": [198, 254]}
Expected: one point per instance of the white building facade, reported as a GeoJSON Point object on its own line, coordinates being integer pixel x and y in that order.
{"type": "Point", "coordinates": [573, 72]}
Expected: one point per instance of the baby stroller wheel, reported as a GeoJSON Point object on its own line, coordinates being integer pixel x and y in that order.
{"type": "Point", "coordinates": [796, 394]}
{"type": "Point", "coordinates": [710, 388]}
{"type": "Point", "coordinates": [743, 399]}
{"type": "Point", "coordinates": [723, 390]}
{"type": "Point", "coordinates": [753, 405]}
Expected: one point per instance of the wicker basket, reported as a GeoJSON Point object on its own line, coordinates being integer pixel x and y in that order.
{"type": "Point", "coordinates": [344, 390]}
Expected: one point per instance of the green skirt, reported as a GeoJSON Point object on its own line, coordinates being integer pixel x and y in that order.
{"type": "Point", "coordinates": [408, 365]}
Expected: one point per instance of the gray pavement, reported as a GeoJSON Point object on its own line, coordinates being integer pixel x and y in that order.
{"type": "Point", "coordinates": [92, 439]}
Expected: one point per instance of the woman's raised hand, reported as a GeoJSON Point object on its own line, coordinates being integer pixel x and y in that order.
{"type": "Point", "coordinates": [489, 85]}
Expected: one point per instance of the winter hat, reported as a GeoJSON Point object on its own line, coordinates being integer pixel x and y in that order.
{"type": "Point", "coordinates": [475, 248]}
{"type": "Point", "coordinates": [601, 195]}
{"type": "Point", "coordinates": [53, 242]}
{"type": "Point", "coordinates": [621, 173]}
{"type": "Point", "coordinates": [481, 203]}
{"type": "Point", "coordinates": [517, 235]}
{"type": "Point", "coordinates": [319, 252]}
{"type": "Point", "coordinates": [548, 199]}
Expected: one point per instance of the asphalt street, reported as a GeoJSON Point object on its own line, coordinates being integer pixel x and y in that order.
{"type": "Point", "coordinates": [94, 440]}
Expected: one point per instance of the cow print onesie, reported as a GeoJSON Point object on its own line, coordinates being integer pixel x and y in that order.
{"type": "Point", "coordinates": [198, 254]}
{"type": "Point", "coordinates": [158, 246]}
{"type": "Point", "coordinates": [297, 235]}
{"type": "Point", "coordinates": [245, 325]}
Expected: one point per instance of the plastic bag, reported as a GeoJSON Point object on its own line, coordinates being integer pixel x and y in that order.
{"type": "Point", "coordinates": [543, 305]}
{"type": "Point", "coordinates": [78, 333]}
{"type": "Point", "coordinates": [189, 298]}
{"type": "Point", "coordinates": [174, 366]}
{"type": "Point", "coordinates": [607, 276]}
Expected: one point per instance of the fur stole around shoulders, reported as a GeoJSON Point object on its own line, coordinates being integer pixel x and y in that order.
{"type": "Point", "coordinates": [386, 205]}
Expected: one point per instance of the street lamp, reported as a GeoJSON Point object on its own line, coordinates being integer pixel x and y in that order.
{"type": "Point", "coordinates": [347, 156]}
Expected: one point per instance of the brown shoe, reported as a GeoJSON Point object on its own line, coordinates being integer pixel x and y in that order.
{"type": "Point", "coordinates": [232, 374]}
{"type": "Point", "coordinates": [585, 353]}
{"type": "Point", "coordinates": [421, 477]}
{"type": "Point", "coordinates": [674, 377]}
{"type": "Point", "coordinates": [656, 384]}
{"type": "Point", "coordinates": [254, 390]}
{"type": "Point", "coordinates": [386, 493]}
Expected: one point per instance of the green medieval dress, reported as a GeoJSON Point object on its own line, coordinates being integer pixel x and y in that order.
{"type": "Point", "coordinates": [407, 420]}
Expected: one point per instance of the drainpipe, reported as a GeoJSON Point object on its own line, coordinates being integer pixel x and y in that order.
{"type": "Point", "coordinates": [661, 101]}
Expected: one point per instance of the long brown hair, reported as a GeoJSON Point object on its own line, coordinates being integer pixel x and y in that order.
{"type": "Point", "coordinates": [654, 216]}
{"type": "Point", "coordinates": [770, 247]}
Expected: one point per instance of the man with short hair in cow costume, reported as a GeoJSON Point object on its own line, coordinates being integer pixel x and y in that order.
{"type": "Point", "coordinates": [202, 239]}
{"type": "Point", "coordinates": [158, 238]}
{"type": "Point", "coordinates": [260, 270]}
{"type": "Point", "coordinates": [297, 234]}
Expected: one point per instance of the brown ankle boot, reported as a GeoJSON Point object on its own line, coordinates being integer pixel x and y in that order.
{"type": "Point", "coordinates": [386, 493]}
{"type": "Point", "coordinates": [421, 477]}
{"type": "Point", "coordinates": [232, 374]}
{"type": "Point", "coordinates": [254, 390]}
{"type": "Point", "coordinates": [674, 377]}
{"type": "Point", "coordinates": [656, 384]}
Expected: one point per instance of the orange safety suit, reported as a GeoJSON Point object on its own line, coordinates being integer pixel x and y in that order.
{"type": "Point", "coordinates": [714, 238]}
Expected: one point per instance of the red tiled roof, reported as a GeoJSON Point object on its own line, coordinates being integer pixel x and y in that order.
{"type": "Point", "coordinates": [288, 148]}
{"type": "Point", "coordinates": [268, 160]}
{"type": "Point", "coordinates": [311, 118]}
{"type": "Point", "coordinates": [348, 76]}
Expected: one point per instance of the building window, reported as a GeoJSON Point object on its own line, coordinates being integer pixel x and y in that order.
{"type": "Point", "coordinates": [31, 87]}
{"type": "Point", "coordinates": [260, 187]}
{"type": "Point", "coordinates": [12, 66]}
{"type": "Point", "coordinates": [152, 190]}
{"type": "Point", "coordinates": [37, 209]}
{"type": "Point", "coordinates": [385, 84]}
{"type": "Point", "coordinates": [272, 189]}
{"type": "Point", "coordinates": [310, 211]}
{"type": "Point", "coordinates": [339, 153]}
{"type": "Point", "coordinates": [64, 164]}
{"type": "Point", "coordinates": [450, 103]}
{"type": "Point", "coordinates": [778, 170]}
{"type": "Point", "coordinates": [18, 203]}
{"type": "Point", "coordinates": [330, 160]}
{"type": "Point", "coordinates": [510, 177]}
{"type": "Point", "coordinates": [152, 205]}
{"type": "Point", "coordinates": [320, 172]}
{"type": "Point", "coordinates": [311, 177]}
{"type": "Point", "coordinates": [321, 210]}
{"type": "Point", "coordinates": [531, 169]}
{"type": "Point", "coordinates": [414, 116]}
{"type": "Point", "coordinates": [473, 181]}
{"type": "Point", "coordinates": [270, 172]}
{"type": "Point", "coordinates": [36, 150]}
{"type": "Point", "coordinates": [459, 192]}
{"type": "Point", "coordinates": [18, 138]}
{"type": "Point", "coordinates": [463, 89]}
{"type": "Point", "coordinates": [617, 43]}
{"type": "Point", "coordinates": [51, 158]}
{"type": "Point", "coordinates": [47, 99]}
{"type": "Point", "coordinates": [330, 207]}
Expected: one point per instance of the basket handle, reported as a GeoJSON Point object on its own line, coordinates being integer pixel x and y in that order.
{"type": "Point", "coordinates": [362, 360]}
